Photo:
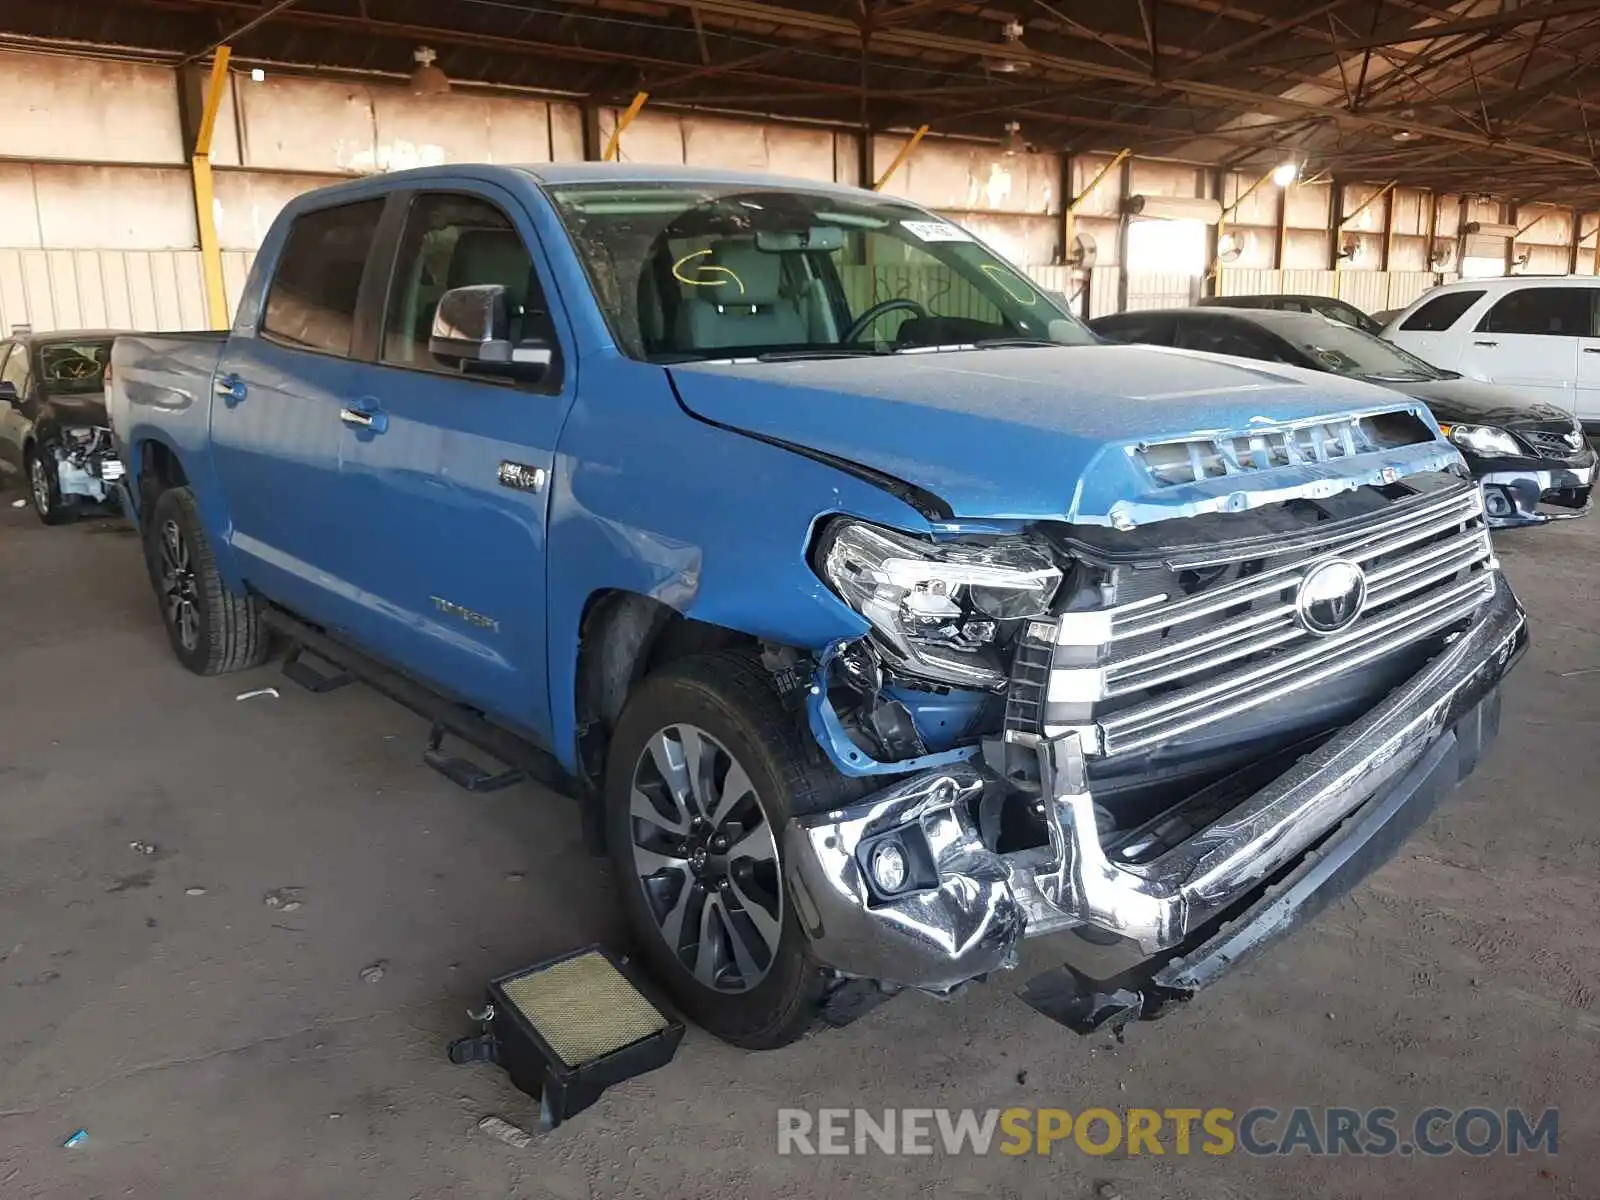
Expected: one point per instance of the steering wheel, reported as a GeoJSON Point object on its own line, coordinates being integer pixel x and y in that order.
{"type": "Point", "coordinates": [865, 320]}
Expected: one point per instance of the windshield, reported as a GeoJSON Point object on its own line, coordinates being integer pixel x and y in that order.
{"type": "Point", "coordinates": [67, 367]}
{"type": "Point", "coordinates": [1339, 348]}
{"type": "Point", "coordinates": [704, 270]}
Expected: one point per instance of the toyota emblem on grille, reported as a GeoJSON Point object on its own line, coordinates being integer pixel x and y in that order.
{"type": "Point", "coordinates": [1331, 596]}
{"type": "Point", "coordinates": [1574, 439]}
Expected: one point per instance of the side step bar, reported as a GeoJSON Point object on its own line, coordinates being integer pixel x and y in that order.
{"type": "Point", "coordinates": [522, 759]}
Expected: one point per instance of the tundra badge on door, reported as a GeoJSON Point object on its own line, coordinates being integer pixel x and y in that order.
{"type": "Point", "coordinates": [523, 477]}
{"type": "Point", "coordinates": [451, 608]}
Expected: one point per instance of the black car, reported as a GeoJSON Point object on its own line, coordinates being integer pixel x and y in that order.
{"type": "Point", "coordinates": [53, 427]}
{"type": "Point", "coordinates": [1336, 310]}
{"type": "Point", "coordinates": [1531, 458]}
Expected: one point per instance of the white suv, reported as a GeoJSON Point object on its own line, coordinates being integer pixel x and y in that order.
{"type": "Point", "coordinates": [1535, 334]}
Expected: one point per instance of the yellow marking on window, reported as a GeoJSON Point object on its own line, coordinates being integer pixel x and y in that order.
{"type": "Point", "coordinates": [1003, 280]}
{"type": "Point", "coordinates": [704, 268]}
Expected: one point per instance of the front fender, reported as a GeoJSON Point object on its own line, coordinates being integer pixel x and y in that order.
{"type": "Point", "coordinates": [716, 525]}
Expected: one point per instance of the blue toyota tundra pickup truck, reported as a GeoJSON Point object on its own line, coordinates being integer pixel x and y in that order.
{"type": "Point", "coordinates": [878, 615]}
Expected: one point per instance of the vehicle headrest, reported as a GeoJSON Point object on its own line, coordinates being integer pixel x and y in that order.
{"type": "Point", "coordinates": [744, 276]}
{"type": "Point", "coordinates": [490, 256]}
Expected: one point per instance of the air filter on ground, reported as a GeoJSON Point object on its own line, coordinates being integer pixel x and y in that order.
{"type": "Point", "coordinates": [567, 1029]}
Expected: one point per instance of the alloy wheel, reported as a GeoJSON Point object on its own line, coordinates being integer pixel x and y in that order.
{"type": "Point", "coordinates": [180, 594]}
{"type": "Point", "coordinates": [39, 479]}
{"type": "Point", "coordinates": [706, 859]}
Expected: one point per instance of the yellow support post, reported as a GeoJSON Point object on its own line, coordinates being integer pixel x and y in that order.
{"type": "Point", "coordinates": [614, 143]}
{"type": "Point", "coordinates": [1070, 228]}
{"type": "Point", "coordinates": [205, 194]}
{"type": "Point", "coordinates": [1222, 223]}
{"type": "Point", "coordinates": [899, 159]}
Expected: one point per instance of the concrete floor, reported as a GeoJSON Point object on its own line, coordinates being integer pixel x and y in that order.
{"type": "Point", "coordinates": [214, 1046]}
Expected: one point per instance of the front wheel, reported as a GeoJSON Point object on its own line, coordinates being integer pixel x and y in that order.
{"type": "Point", "coordinates": [44, 489]}
{"type": "Point", "coordinates": [704, 769]}
{"type": "Point", "coordinates": [212, 630]}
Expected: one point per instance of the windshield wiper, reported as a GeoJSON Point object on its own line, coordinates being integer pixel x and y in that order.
{"type": "Point", "coordinates": [798, 355]}
{"type": "Point", "coordinates": [1398, 376]}
{"type": "Point", "coordinates": [1000, 343]}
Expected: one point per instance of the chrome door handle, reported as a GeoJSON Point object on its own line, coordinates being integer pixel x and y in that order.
{"type": "Point", "coordinates": [366, 414]}
{"type": "Point", "coordinates": [1591, 349]}
{"type": "Point", "coordinates": [1485, 343]}
{"type": "Point", "coordinates": [230, 387]}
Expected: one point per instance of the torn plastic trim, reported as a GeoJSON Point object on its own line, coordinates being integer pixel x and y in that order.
{"type": "Point", "coordinates": [847, 757]}
{"type": "Point", "coordinates": [1309, 481]}
{"type": "Point", "coordinates": [953, 919]}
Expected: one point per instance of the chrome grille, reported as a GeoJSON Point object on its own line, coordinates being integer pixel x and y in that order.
{"type": "Point", "coordinates": [1173, 664]}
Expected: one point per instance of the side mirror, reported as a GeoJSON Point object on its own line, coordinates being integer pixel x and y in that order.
{"type": "Point", "coordinates": [9, 394]}
{"type": "Point", "coordinates": [472, 330]}
{"type": "Point", "coordinates": [472, 324]}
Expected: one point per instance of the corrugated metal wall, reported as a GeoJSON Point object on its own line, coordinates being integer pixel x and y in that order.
{"type": "Point", "coordinates": [153, 290]}
{"type": "Point", "coordinates": [1371, 291]}
{"type": "Point", "coordinates": [109, 236]}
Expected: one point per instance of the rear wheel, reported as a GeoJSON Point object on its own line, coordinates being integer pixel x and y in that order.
{"type": "Point", "coordinates": [705, 767]}
{"type": "Point", "coordinates": [212, 630]}
{"type": "Point", "coordinates": [44, 489]}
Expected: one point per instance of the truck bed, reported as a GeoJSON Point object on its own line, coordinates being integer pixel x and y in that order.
{"type": "Point", "coordinates": [166, 377]}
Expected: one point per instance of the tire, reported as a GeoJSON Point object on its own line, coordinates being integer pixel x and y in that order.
{"type": "Point", "coordinates": [212, 630]}
{"type": "Point", "coordinates": [44, 488]}
{"type": "Point", "coordinates": [727, 700]}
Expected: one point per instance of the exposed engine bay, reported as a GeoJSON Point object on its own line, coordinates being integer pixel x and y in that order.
{"type": "Point", "coordinates": [86, 464]}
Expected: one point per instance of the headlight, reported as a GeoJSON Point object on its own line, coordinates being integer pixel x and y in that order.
{"type": "Point", "coordinates": [1482, 439]}
{"type": "Point", "coordinates": [935, 608]}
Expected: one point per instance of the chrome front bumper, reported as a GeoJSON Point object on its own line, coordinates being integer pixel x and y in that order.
{"type": "Point", "coordinates": [965, 907]}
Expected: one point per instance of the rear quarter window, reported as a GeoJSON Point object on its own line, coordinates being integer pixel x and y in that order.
{"type": "Point", "coordinates": [1440, 313]}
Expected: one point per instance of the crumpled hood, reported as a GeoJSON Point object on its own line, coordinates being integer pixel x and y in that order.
{"type": "Point", "coordinates": [1050, 433]}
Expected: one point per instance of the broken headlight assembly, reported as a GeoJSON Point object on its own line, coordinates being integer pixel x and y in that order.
{"type": "Point", "coordinates": [937, 609]}
{"type": "Point", "coordinates": [78, 441]}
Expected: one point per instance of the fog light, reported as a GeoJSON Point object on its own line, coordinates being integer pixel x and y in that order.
{"type": "Point", "coordinates": [889, 867]}
{"type": "Point", "coordinates": [1496, 503]}
{"type": "Point", "coordinates": [569, 1028]}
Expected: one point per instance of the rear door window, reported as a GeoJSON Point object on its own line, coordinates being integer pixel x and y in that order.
{"type": "Point", "coordinates": [1552, 312]}
{"type": "Point", "coordinates": [311, 304]}
{"type": "Point", "coordinates": [1441, 312]}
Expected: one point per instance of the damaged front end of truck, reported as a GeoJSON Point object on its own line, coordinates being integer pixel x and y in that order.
{"type": "Point", "coordinates": [1166, 727]}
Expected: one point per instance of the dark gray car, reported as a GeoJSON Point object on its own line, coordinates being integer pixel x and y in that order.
{"type": "Point", "coordinates": [1530, 457]}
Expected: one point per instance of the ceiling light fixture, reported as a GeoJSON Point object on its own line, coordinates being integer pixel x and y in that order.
{"type": "Point", "coordinates": [1013, 143]}
{"type": "Point", "coordinates": [1011, 36]}
{"type": "Point", "coordinates": [427, 79]}
{"type": "Point", "coordinates": [1285, 173]}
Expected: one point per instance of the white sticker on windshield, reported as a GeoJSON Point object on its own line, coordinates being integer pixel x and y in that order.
{"type": "Point", "coordinates": [935, 231]}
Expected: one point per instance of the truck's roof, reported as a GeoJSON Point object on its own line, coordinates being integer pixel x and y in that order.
{"type": "Point", "coordinates": [591, 172]}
